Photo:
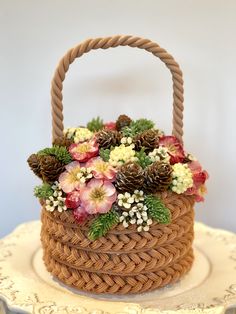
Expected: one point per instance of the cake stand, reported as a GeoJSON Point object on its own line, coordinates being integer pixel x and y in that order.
{"type": "Point", "coordinates": [26, 286]}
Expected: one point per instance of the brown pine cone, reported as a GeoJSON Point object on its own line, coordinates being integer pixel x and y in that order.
{"type": "Point", "coordinates": [130, 177]}
{"type": "Point", "coordinates": [34, 163]}
{"type": "Point", "coordinates": [108, 138]}
{"type": "Point", "coordinates": [62, 141]}
{"type": "Point", "coordinates": [147, 139]}
{"type": "Point", "coordinates": [122, 121]}
{"type": "Point", "coordinates": [51, 168]}
{"type": "Point", "coordinates": [157, 177]}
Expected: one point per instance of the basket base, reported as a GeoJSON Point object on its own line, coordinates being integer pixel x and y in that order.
{"type": "Point", "coordinates": [75, 279]}
{"type": "Point", "coordinates": [191, 280]}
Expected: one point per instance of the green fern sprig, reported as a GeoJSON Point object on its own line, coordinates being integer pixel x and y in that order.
{"type": "Point", "coordinates": [157, 210]}
{"type": "Point", "coordinates": [136, 127]}
{"type": "Point", "coordinates": [102, 224]}
{"type": "Point", "coordinates": [60, 152]}
{"type": "Point", "coordinates": [95, 124]}
{"type": "Point", "coordinates": [43, 191]}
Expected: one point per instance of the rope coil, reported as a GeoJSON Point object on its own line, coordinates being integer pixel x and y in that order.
{"type": "Point", "coordinates": [112, 42]}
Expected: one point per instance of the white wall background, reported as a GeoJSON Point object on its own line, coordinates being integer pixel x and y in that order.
{"type": "Point", "coordinates": [200, 34]}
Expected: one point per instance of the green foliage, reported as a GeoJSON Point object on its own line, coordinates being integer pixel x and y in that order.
{"type": "Point", "coordinates": [157, 210]}
{"type": "Point", "coordinates": [136, 127]}
{"type": "Point", "coordinates": [127, 131]}
{"type": "Point", "coordinates": [60, 152]}
{"type": "Point", "coordinates": [143, 159]}
{"type": "Point", "coordinates": [141, 125]}
{"type": "Point", "coordinates": [102, 224]}
{"type": "Point", "coordinates": [95, 124]}
{"type": "Point", "coordinates": [104, 154]}
{"type": "Point", "coordinates": [43, 191]}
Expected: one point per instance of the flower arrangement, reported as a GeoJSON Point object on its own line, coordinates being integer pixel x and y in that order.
{"type": "Point", "coordinates": [111, 173]}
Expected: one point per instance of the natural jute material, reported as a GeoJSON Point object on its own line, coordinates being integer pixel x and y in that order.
{"type": "Point", "coordinates": [124, 261]}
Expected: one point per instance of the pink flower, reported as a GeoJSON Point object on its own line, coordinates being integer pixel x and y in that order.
{"type": "Point", "coordinates": [110, 125]}
{"type": "Point", "coordinates": [101, 169]}
{"type": "Point", "coordinates": [69, 179]}
{"type": "Point", "coordinates": [175, 149]}
{"type": "Point", "coordinates": [98, 196]}
{"type": "Point", "coordinates": [72, 200]}
{"type": "Point", "coordinates": [84, 151]}
{"type": "Point", "coordinates": [80, 214]}
{"type": "Point", "coordinates": [199, 178]}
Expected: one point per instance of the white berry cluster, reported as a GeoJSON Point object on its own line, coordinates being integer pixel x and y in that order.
{"type": "Point", "coordinates": [136, 212]}
{"type": "Point", "coordinates": [182, 178]}
{"type": "Point", "coordinates": [84, 174]}
{"type": "Point", "coordinates": [56, 201]}
{"type": "Point", "coordinates": [122, 154]}
{"type": "Point", "coordinates": [126, 140]}
{"type": "Point", "coordinates": [159, 154]}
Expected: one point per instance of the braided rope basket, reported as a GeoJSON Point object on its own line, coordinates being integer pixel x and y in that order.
{"type": "Point", "coordinates": [124, 261]}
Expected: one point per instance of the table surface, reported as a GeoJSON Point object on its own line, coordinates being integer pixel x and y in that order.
{"type": "Point", "coordinates": [26, 286]}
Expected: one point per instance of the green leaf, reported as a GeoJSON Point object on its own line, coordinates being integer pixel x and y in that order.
{"type": "Point", "coordinates": [104, 154]}
{"type": "Point", "coordinates": [43, 191]}
{"type": "Point", "coordinates": [143, 159]}
{"type": "Point", "coordinates": [102, 224]}
{"type": "Point", "coordinates": [95, 124]}
{"type": "Point", "coordinates": [157, 210]}
{"type": "Point", "coordinates": [60, 152]}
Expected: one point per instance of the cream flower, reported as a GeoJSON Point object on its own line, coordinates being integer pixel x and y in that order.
{"type": "Point", "coordinates": [159, 154]}
{"type": "Point", "coordinates": [69, 133]}
{"type": "Point", "coordinates": [182, 178]}
{"type": "Point", "coordinates": [82, 135]}
{"type": "Point", "coordinates": [122, 154]}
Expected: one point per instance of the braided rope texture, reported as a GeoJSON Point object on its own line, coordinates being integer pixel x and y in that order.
{"type": "Point", "coordinates": [111, 42]}
{"type": "Point", "coordinates": [124, 261]}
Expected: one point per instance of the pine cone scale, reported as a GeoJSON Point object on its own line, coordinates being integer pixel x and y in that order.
{"type": "Point", "coordinates": [148, 140]}
{"type": "Point", "coordinates": [158, 177]}
{"type": "Point", "coordinates": [51, 168]}
{"type": "Point", "coordinates": [108, 138]}
{"type": "Point", "coordinates": [122, 121]}
{"type": "Point", "coordinates": [129, 178]}
{"type": "Point", "coordinates": [34, 163]}
{"type": "Point", "coordinates": [62, 141]}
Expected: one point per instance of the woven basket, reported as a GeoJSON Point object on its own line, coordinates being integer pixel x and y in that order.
{"type": "Point", "coordinates": [124, 261]}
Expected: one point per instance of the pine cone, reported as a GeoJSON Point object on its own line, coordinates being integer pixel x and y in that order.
{"type": "Point", "coordinates": [51, 168]}
{"type": "Point", "coordinates": [130, 177]}
{"type": "Point", "coordinates": [122, 121]}
{"type": "Point", "coordinates": [62, 141]}
{"type": "Point", "coordinates": [157, 177]}
{"type": "Point", "coordinates": [108, 138]}
{"type": "Point", "coordinates": [34, 163]}
{"type": "Point", "coordinates": [148, 139]}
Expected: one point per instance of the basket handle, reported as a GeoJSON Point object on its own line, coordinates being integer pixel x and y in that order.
{"type": "Point", "coordinates": [114, 41]}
